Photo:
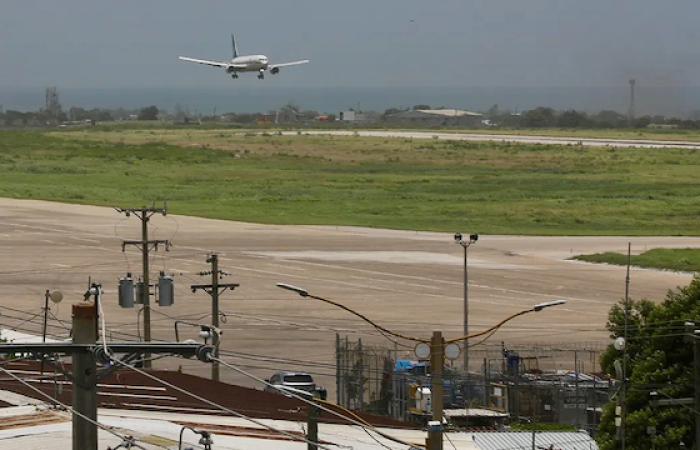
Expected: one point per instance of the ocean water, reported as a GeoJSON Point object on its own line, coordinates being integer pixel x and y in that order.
{"type": "Point", "coordinates": [669, 101]}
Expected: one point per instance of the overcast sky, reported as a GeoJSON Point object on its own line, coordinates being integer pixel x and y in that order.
{"type": "Point", "coordinates": [135, 43]}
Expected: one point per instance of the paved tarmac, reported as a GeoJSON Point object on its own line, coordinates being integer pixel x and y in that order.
{"type": "Point", "coordinates": [553, 140]}
{"type": "Point", "coordinates": [409, 282]}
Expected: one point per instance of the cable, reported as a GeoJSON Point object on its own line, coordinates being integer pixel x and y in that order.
{"type": "Point", "coordinates": [40, 392]}
{"type": "Point", "coordinates": [223, 408]}
{"type": "Point", "coordinates": [375, 325]}
{"type": "Point", "coordinates": [360, 421]}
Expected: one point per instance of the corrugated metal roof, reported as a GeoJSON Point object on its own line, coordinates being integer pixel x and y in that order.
{"type": "Point", "coordinates": [156, 428]}
{"type": "Point", "coordinates": [544, 440]}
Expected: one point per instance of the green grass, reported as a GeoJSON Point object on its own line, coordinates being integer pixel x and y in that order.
{"type": "Point", "coordinates": [678, 259]}
{"type": "Point", "coordinates": [485, 187]}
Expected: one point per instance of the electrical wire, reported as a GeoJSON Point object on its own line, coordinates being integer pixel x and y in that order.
{"type": "Point", "coordinates": [223, 408]}
{"type": "Point", "coordinates": [68, 408]}
{"type": "Point", "coordinates": [356, 421]}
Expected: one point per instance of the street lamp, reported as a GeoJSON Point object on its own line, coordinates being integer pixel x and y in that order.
{"type": "Point", "coordinates": [438, 347]}
{"type": "Point", "coordinates": [465, 244]}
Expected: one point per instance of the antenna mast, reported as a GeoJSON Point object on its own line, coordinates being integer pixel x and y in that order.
{"type": "Point", "coordinates": [631, 111]}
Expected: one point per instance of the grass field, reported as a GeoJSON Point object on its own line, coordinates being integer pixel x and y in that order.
{"type": "Point", "coordinates": [485, 187]}
{"type": "Point", "coordinates": [678, 259]}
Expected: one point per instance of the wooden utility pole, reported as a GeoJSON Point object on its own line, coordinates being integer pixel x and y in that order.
{"type": "Point", "coordinates": [214, 290]}
{"type": "Point", "coordinates": [144, 214]}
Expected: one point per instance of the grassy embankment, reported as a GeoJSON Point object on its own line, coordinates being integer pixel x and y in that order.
{"type": "Point", "coordinates": [678, 259]}
{"type": "Point", "coordinates": [393, 183]}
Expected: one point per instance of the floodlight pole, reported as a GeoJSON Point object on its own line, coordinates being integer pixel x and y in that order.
{"type": "Point", "coordinates": [465, 244]}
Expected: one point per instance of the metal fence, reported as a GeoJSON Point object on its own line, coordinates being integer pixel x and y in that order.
{"type": "Point", "coordinates": [539, 382]}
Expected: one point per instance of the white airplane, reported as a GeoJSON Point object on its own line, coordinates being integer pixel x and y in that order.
{"type": "Point", "coordinates": [252, 63]}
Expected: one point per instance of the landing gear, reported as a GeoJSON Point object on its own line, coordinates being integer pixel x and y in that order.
{"type": "Point", "coordinates": [261, 75]}
{"type": "Point", "coordinates": [234, 76]}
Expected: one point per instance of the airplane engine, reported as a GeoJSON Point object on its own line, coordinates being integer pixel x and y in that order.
{"type": "Point", "coordinates": [275, 70]}
{"type": "Point", "coordinates": [230, 69]}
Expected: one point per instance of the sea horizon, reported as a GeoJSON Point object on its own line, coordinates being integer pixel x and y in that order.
{"type": "Point", "coordinates": [652, 100]}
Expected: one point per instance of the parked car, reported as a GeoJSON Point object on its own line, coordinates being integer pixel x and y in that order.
{"type": "Point", "coordinates": [302, 381]}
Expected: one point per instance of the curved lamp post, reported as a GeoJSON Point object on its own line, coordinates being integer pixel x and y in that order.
{"type": "Point", "coordinates": [437, 354]}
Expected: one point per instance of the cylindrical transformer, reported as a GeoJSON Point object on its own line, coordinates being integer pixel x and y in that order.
{"type": "Point", "coordinates": [139, 292]}
{"type": "Point", "coordinates": [126, 292]}
{"type": "Point", "coordinates": [165, 290]}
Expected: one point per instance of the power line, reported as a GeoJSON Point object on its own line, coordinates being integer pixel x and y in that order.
{"type": "Point", "coordinates": [223, 408]}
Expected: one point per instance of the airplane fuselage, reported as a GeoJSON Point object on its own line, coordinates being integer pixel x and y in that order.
{"type": "Point", "coordinates": [252, 63]}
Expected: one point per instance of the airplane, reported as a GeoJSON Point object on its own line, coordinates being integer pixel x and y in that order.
{"type": "Point", "coordinates": [252, 63]}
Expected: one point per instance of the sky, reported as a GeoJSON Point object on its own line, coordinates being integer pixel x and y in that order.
{"type": "Point", "coordinates": [538, 43]}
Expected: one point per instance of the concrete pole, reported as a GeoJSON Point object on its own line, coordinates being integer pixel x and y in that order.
{"type": "Point", "coordinates": [146, 293]}
{"type": "Point", "coordinates": [215, 313]}
{"type": "Point", "coordinates": [312, 426]}
{"type": "Point", "coordinates": [437, 362]}
{"type": "Point", "coordinates": [84, 379]}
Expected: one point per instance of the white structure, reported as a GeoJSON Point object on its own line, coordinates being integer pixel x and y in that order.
{"type": "Point", "coordinates": [436, 117]}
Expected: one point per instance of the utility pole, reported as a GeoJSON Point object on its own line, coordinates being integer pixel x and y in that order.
{"type": "Point", "coordinates": [214, 289]}
{"type": "Point", "coordinates": [86, 352]}
{"type": "Point", "coordinates": [144, 214]}
{"type": "Point", "coordinates": [692, 337]}
{"type": "Point", "coordinates": [437, 362]}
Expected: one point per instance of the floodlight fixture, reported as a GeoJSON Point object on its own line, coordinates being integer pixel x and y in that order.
{"type": "Point", "coordinates": [541, 306]}
{"type": "Point", "coordinates": [298, 290]}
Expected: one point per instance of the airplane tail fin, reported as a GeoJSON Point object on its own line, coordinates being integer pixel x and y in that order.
{"type": "Point", "coordinates": [234, 47]}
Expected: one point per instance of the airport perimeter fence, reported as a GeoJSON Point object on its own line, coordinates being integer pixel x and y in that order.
{"type": "Point", "coordinates": [548, 384]}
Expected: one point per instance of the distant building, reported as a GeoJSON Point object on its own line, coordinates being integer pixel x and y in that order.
{"type": "Point", "coordinates": [354, 116]}
{"type": "Point", "coordinates": [436, 117]}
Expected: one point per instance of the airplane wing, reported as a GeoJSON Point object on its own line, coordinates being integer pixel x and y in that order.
{"type": "Point", "coordinates": [223, 64]}
{"type": "Point", "coordinates": [293, 63]}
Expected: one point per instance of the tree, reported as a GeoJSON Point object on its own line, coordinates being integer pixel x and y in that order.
{"type": "Point", "coordinates": [658, 359]}
{"type": "Point", "coordinates": [610, 119]}
{"type": "Point", "coordinates": [572, 119]}
{"type": "Point", "coordinates": [149, 113]}
{"type": "Point", "coordinates": [417, 107]}
{"type": "Point", "coordinates": [539, 117]}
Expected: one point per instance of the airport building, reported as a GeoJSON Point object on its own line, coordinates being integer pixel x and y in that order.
{"type": "Point", "coordinates": [436, 117]}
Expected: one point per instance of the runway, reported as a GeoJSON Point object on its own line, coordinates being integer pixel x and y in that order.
{"type": "Point", "coordinates": [409, 282]}
{"type": "Point", "coordinates": [642, 143]}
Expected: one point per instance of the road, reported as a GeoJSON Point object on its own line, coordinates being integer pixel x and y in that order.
{"type": "Point", "coordinates": [643, 143]}
{"type": "Point", "coordinates": [410, 282]}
